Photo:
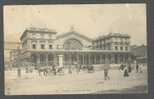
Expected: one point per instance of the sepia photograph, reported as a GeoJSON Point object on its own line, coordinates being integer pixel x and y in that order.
{"type": "Point", "coordinates": [75, 49]}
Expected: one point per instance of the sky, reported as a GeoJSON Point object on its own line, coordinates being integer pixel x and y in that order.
{"type": "Point", "coordinates": [91, 20]}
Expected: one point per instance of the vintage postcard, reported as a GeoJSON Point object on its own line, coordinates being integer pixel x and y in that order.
{"type": "Point", "coordinates": [75, 49]}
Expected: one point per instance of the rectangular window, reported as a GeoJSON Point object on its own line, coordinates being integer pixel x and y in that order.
{"type": "Point", "coordinates": [116, 48]}
{"type": "Point", "coordinates": [126, 48]}
{"type": "Point", "coordinates": [42, 46]}
{"type": "Point", "coordinates": [50, 46]}
{"type": "Point", "coordinates": [121, 48]}
{"type": "Point", "coordinates": [34, 46]}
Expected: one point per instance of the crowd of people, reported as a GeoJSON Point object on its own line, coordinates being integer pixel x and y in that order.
{"type": "Point", "coordinates": [124, 68]}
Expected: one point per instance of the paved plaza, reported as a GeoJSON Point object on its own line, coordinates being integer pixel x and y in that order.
{"type": "Point", "coordinates": [82, 83]}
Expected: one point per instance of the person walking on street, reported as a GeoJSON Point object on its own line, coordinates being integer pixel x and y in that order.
{"type": "Point", "coordinates": [129, 68]}
{"type": "Point", "coordinates": [122, 66]}
{"type": "Point", "coordinates": [141, 68]}
{"type": "Point", "coordinates": [54, 69]}
{"type": "Point", "coordinates": [126, 73]}
{"type": "Point", "coordinates": [137, 68]}
{"type": "Point", "coordinates": [19, 72]}
{"type": "Point", "coordinates": [106, 71]}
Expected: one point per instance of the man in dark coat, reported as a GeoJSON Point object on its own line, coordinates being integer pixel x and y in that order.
{"type": "Point", "coordinates": [126, 72]}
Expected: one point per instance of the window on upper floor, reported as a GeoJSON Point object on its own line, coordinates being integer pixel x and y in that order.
{"type": "Point", "coordinates": [116, 47]}
{"type": "Point", "coordinates": [42, 46]}
{"type": "Point", "coordinates": [50, 46]}
{"type": "Point", "coordinates": [121, 48]}
{"type": "Point", "coordinates": [126, 48]}
{"type": "Point", "coordinates": [34, 46]}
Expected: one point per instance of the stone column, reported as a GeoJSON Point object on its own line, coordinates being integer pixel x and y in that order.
{"type": "Point", "coordinates": [118, 59]}
{"type": "Point", "coordinates": [104, 58]}
{"type": "Point", "coordinates": [38, 59]}
{"type": "Point", "coordinates": [29, 44]}
{"type": "Point", "coordinates": [100, 58]}
{"type": "Point", "coordinates": [69, 59]}
{"type": "Point", "coordinates": [78, 58]}
{"type": "Point", "coordinates": [83, 58]}
{"type": "Point", "coordinates": [37, 45]}
{"type": "Point", "coordinates": [95, 59]}
{"type": "Point", "coordinates": [60, 60]}
{"type": "Point", "coordinates": [92, 58]}
{"type": "Point", "coordinates": [107, 59]}
{"type": "Point", "coordinates": [129, 58]}
{"type": "Point", "coordinates": [99, 62]}
{"type": "Point", "coordinates": [46, 59]}
{"type": "Point", "coordinates": [46, 44]}
{"type": "Point", "coordinates": [112, 59]}
{"type": "Point", "coordinates": [89, 58]}
{"type": "Point", "coordinates": [69, 63]}
{"type": "Point", "coordinates": [124, 57]}
{"type": "Point", "coordinates": [55, 59]}
{"type": "Point", "coordinates": [121, 58]}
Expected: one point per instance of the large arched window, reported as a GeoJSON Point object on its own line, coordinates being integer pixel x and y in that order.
{"type": "Point", "coordinates": [72, 44]}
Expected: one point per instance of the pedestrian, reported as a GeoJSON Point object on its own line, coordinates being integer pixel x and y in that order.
{"type": "Point", "coordinates": [106, 71]}
{"type": "Point", "coordinates": [76, 67]}
{"type": "Point", "coordinates": [54, 69]}
{"type": "Point", "coordinates": [141, 68]}
{"type": "Point", "coordinates": [122, 66]}
{"type": "Point", "coordinates": [19, 72]}
{"type": "Point", "coordinates": [126, 73]}
{"type": "Point", "coordinates": [137, 67]}
{"type": "Point", "coordinates": [129, 68]}
{"type": "Point", "coordinates": [26, 69]}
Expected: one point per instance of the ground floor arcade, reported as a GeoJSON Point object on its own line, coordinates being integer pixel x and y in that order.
{"type": "Point", "coordinates": [63, 58]}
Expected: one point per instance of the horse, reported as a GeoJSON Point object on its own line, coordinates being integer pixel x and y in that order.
{"type": "Point", "coordinates": [89, 68]}
{"type": "Point", "coordinates": [60, 69]}
{"type": "Point", "coordinates": [44, 70]}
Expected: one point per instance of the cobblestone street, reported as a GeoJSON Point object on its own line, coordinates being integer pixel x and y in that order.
{"type": "Point", "coordinates": [82, 83]}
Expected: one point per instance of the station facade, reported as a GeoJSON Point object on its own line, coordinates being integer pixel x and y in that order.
{"type": "Point", "coordinates": [44, 47]}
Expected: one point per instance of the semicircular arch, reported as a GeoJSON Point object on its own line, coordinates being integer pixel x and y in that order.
{"type": "Point", "coordinates": [73, 44]}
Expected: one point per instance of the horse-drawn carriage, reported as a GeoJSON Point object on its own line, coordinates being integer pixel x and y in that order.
{"type": "Point", "coordinates": [89, 68]}
{"type": "Point", "coordinates": [46, 70]}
